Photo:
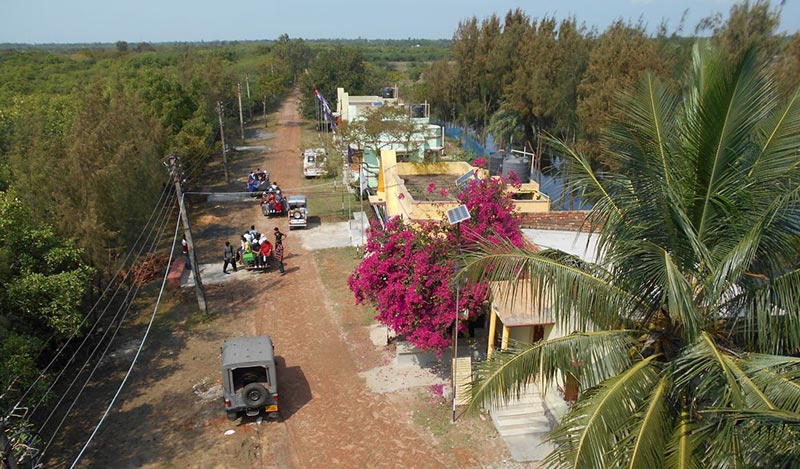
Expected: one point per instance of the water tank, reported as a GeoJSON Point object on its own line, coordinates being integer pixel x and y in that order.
{"type": "Point", "coordinates": [417, 110]}
{"type": "Point", "coordinates": [387, 92]}
{"type": "Point", "coordinates": [496, 163]}
{"type": "Point", "coordinates": [520, 166]}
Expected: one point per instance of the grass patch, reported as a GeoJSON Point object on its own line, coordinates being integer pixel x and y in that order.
{"type": "Point", "coordinates": [335, 266]}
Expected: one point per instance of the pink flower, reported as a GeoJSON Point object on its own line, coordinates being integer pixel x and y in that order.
{"type": "Point", "coordinates": [401, 196]}
{"type": "Point", "coordinates": [479, 162]}
{"type": "Point", "coordinates": [443, 192]}
{"type": "Point", "coordinates": [431, 188]}
{"type": "Point", "coordinates": [407, 272]}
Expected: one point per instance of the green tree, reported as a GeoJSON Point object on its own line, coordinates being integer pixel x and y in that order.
{"type": "Point", "coordinates": [43, 285]}
{"type": "Point", "coordinates": [622, 54]}
{"type": "Point", "coordinates": [787, 65]}
{"type": "Point", "coordinates": [295, 52]}
{"type": "Point", "coordinates": [383, 127]}
{"type": "Point", "coordinates": [340, 67]}
{"type": "Point", "coordinates": [687, 328]}
{"type": "Point", "coordinates": [748, 25]}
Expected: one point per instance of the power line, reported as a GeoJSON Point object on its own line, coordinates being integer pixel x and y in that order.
{"type": "Point", "coordinates": [136, 357]}
{"type": "Point", "coordinates": [86, 317]}
{"type": "Point", "coordinates": [94, 326]}
{"type": "Point", "coordinates": [129, 303]}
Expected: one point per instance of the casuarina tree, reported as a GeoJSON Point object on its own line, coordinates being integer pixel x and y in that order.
{"type": "Point", "coordinates": [687, 328]}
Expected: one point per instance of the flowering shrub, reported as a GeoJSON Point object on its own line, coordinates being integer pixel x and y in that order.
{"type": "Point", "coordinates": [407, 273]}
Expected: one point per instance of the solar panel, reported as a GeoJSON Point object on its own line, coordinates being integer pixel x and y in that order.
{"type": "Point", "coordinates": [466, 177]}
{"type": "Point", "coordinates": [458, 214]}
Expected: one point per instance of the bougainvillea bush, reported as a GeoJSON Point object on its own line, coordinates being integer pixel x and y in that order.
{"type": "Point", "coordinates": [408, 269]}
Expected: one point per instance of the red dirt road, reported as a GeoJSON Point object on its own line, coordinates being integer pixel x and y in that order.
{"type": "Point", "coordinates": [331, 419]}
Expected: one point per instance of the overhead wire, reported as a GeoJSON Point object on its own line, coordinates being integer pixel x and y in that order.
{"type": "Point", "coordinates": [94, 306]}
{"type": "Point", "coordinates": [129, 303]}
{"type": "Point", "coordinates": [88, 335]}
{"type": "Point", "coordinates": [138, 352]}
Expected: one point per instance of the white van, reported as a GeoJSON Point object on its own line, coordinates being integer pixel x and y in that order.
{"type": "Point", "coordinates": [314, 162]}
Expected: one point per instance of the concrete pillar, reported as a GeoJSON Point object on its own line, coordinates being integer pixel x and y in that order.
{"type": "Point", "coordinates": [492, 329]}
{"type": "Point", "coordinates": [506, 333]}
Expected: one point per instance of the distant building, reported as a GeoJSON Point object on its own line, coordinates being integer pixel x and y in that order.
{"type": "Point", "coordinates": [429, 138]}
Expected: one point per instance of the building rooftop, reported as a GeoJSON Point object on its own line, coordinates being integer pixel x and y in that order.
{"type": "Point", "coordinates": [442, 187]}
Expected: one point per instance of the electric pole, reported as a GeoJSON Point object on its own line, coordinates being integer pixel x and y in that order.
{"type": "Point", "coordinates": [222, 137]}
{"type": "Point", "coordinates": [249, 104]}
{"type": "Point", "coordinates": [187, 231]}
{"type": "Point", "coordinates": [241, 116]}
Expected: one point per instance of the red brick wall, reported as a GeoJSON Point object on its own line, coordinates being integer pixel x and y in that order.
{"type": "Point", "coordinates": [567, 220]}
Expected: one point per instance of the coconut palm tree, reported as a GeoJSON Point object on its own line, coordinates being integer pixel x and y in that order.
{"type": "Point", "coordinates": [687, 328]}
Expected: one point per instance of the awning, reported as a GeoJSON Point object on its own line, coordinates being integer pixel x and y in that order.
{"type": "Point", "coordinates": [516, 304]}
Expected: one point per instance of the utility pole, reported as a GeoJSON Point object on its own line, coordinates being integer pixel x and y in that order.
{"type": "Point", "coordinates": [241, 116]}
{"type": "Point", "coordinates": [222, 137]}
{"type": "Point", "coordinates": [249, 104]}
{"type": "Point", "coordinates": [175, 164]}
{"type": "Point", "coordinates": [6, 452]}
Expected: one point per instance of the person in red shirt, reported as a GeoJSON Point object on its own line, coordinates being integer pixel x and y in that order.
{"type": "Point", "coordinates": [265, 252]}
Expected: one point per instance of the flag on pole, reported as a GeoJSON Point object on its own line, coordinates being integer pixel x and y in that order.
{"type": "Point", "coordinates": [326, 108]}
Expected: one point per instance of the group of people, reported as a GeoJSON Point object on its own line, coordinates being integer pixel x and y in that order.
{"type": "Point", "coordinates": [256, 180]}
{"type": "Point", "coordinates": [256, 250]}
{"type": "Point", "coordinates": [273, 198]}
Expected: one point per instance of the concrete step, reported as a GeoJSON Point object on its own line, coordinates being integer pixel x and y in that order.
{"type": "Point", "coordinates": [540, 432]}
{"type": "Point", "coordinates": [535, 422]}
{"type": "Point", "coordinates": [528, 447]}
{"type": "Point", "coordinates": [527, 401]}
{"type": "Point", "coordinates": [517, 410]}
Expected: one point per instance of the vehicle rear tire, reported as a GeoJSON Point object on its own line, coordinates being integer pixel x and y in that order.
{"type": "Point", "coordinates": [255, 395]}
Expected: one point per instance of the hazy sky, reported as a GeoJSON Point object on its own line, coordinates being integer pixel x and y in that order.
{"type": "Point", "coordinates": [71, 21]}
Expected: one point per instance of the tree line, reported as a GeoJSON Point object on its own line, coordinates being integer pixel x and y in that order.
{"type": "Point", "coordinates": [520, 78]}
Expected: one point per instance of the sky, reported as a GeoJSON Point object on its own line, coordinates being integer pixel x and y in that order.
{"type": "Point", "coordinates": [89, 21]}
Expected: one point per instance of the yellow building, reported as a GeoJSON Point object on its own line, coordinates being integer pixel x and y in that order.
{"type": "Point", "coordinates": [403, 189]}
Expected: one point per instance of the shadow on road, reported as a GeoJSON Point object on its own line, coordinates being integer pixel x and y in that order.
{"type": "Point", "coordinates": [293, 388]}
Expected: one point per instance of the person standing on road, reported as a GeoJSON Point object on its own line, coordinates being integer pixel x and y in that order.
{"type": "Point", "coordinates": [229, 257]}
{"type": "Point", "coordinates": [185, 250]}
{"type": "Point", "coordinates": [266, 252]}
{"type": "Point", "coordinates": [278, 235]}
{"type": "Point", "coordinates": [279, 256]}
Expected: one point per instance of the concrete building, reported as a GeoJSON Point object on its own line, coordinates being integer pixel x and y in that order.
{"type": "Point", "coordinates": [426, 141]}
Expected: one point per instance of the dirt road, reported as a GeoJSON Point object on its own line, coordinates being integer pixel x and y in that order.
{"type": "Point", "coordinates": [330, 417]}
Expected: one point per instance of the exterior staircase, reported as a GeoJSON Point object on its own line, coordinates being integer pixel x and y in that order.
{"type": "Point", "coordinates": [524, 423]}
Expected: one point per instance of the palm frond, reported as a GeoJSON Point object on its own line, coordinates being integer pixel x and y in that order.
{"type": "Point", "coordinates": [778, 377]}
{"type": "Point", "coordinates": [593, 300]}
{"type": "Point", "coordinates": [682, 448]}
{"type": "Point", "coordinates": [646, 443]}
{"type": "Point", "coordinates": [589, 432]}
{"type": "Point", "coordinates": [592, 357]}
{"type": "Point", "coordinates": [778, 146]}
{"type": "Point", "coordinates": [719, 125]}
{"type": "Point", "coordinates": [718, 378]}
{"type": "Point", "coordinates": [772, 322]}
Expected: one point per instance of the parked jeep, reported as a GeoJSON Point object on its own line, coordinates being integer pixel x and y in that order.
{"type": "Point", "coordinates": [298, 211]}
{"type": "Point", "coordinates": [249, 378]}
